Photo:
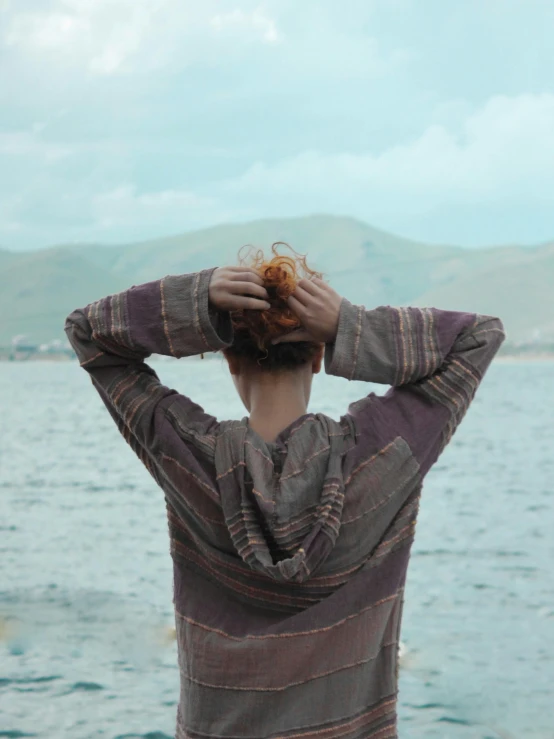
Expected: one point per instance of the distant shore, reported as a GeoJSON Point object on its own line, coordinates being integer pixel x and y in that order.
{"type": "Point", "coordinates": [5, 357]}
{"type": "Point", "coordinates": [524, 358]}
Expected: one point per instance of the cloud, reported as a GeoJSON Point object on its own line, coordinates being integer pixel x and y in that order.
{"type": "Point", "coordinates": [29, 144]}
{"type": "Point", "coordinates": [85, 214]}
{"type": "Point", "coordinates": [256, 21]}
{"type": "Point", "coordinates": [124, 206]}
{"type": "Point", "coordinates": [103, 35]}
{"type": "Point", "coordinates": [45, 31]}
{"type": "Point", "coordinates": [110, 38]}
{"type": "Point", "coordinates": [505, 151]}
{"type": "Point", "coordinates": [500, 153]}
{"type": "Point", "coordinates": [173, 114]}
{"type": "Point", "coordinates": [9, 221]}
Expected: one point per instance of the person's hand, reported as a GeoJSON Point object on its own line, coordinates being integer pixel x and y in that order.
{"type": "Point", "coordinates": [230, 288]}
{"type": "Point", "coordinates": [317, 306]}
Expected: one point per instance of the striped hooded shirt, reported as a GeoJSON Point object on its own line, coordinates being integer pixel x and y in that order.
{"type": "Point", "coordinates": [289, 557]}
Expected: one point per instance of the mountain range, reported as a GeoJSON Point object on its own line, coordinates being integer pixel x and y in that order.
{"type": "Point", "coordinates": [369, 266]}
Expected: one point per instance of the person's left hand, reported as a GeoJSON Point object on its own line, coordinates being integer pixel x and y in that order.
{"type": "Point", "coordinates": [230, 287]}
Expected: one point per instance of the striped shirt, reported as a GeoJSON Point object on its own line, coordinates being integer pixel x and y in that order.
{"type": "Point", "coordinates": [289, 557]}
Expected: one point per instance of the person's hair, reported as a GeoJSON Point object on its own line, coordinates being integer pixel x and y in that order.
{"type": "Point", "coordinates": [254, 329]}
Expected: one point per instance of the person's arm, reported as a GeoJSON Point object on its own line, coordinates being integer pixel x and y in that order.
{"type": "Point", "coordinates": [433, 359]}
{"type": "Point", "coordinates": [113, 336]}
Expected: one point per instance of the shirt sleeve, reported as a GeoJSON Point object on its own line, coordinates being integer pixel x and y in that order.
{"type": "Point", "coordinates": [433, 359]}
{"type": "Point", "coordinates": [113, 336]}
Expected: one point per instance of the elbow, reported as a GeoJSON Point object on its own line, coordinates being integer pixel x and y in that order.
{"type": "Point", "coordinates": [489, 334]}
{"type": "Point", "coordinates": [490, 325]}
{"type": "Point", "coordinates": [76, 316]}
{"type": "Point", "coordinates": [77, 329]}
{"type": "Point", "coordinates": [497, 331]}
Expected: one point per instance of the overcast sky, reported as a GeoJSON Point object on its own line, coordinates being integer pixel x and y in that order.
{"type": "Point", "coordinates": [127, 119]}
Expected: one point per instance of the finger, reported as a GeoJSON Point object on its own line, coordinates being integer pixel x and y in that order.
{"type": "Point", "coordinates": [296, 306]}
{"type": "Point", "coordinates": [241, 303]}
{"type": "Point", "coordinates": [321, 284]}
{"type": "Point", "coordinates": [302, 296]}
{"type": "Point", "coordinates": [246, 274]}
{"type": "Point", "coordinates": [250, 288]}
{"type": "Point", "coordinates": [297, 335]}
{"type": "Point", "coordinates": [240, 268]}
{"type": "Point", "coordinates": [309, 286]}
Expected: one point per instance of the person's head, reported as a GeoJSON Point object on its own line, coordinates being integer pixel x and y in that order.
{"type": "Point", "coordinates": [252, 358]}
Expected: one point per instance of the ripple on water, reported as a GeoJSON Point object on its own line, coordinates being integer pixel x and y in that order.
{"type": "Point", "coordinates": [86, 686]}
{"type": "Point", "coordinates": [477, 578]}
{"type": "Point", "coordinates": [6, 682]}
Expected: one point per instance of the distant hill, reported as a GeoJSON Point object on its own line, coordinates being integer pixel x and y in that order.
{"type": "Point", "coordinates": [370, 267]}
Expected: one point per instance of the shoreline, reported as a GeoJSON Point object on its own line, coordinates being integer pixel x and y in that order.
{"type": "Point", "coordinates": [506, 358]}
{"type": "Point", "coordinates": [524, 358]}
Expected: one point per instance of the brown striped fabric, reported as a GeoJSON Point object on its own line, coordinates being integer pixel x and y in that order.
{"type": "Point", "coordinates": [289, 558]}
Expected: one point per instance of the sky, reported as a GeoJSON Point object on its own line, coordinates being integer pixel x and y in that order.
{"type": "Point", "coordinates": [124, 120]}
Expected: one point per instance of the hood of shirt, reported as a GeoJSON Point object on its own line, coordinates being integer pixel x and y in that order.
{"type": "Point", "coordinates": [282, 500]}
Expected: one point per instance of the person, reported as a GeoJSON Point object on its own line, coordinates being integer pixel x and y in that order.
{"type": "Point", "coordinates": [290, 531]}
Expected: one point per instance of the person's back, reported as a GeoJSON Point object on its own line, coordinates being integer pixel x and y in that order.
{"type": "Point", "coordinates": [290, 531]}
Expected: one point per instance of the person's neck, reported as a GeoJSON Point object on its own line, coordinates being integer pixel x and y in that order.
{"type": "Point", "coordinates": [274, 406]}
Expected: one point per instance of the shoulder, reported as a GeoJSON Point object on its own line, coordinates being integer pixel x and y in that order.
{"type": "Point", "coordinates": [191, 422]}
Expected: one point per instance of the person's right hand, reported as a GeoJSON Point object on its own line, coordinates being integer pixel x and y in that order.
{"type": "Point", "coordinates": [317, 306]}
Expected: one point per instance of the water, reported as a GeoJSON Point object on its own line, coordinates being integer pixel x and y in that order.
{"type": "Point", "coordinates": [85, 582]}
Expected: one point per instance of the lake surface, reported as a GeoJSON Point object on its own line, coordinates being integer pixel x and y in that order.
{"type": "Point", "coordinates": [86, 578]}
